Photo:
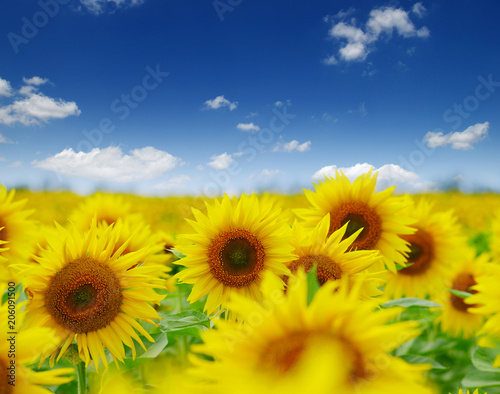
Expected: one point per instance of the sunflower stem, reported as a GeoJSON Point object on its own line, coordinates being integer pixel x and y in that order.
{"type": "Point", "coordinates": [82, 378]}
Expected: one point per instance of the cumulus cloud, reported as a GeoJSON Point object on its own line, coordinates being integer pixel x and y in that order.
{"type": "Point", "coordinates": [100, 6]}
{"type": "Point", "coordinates": [5, 140]}
{"type": "Point", "coordinates": [461, 140]}
{"type": "Point", "coordinates": [250, 127]}
{"type": "Point", "coordinates": [37, 81]}
{"type": "Point", "coordinates": [220, 162]}
{"type": "Point", "coordinates": [219, 102]}
{"type": "Point", "coordinates": [5, 88]}
{"type": "Point", "coordinates": [268, 174]}
{"type": "Point", "coordinates": [419, 9]}
{"type": "Point", "coordinates": [173, 183]}
{"type": "Point", "coordinates": [358, 42]}
{"type": "Point", "coordinates": [111, 164]}
{"type": "Point", "coordinates": [388, 175]}
{"type": "Point", "coordinates": [31, 107]}
{"type": "Point", "coordinates": [292, 146]}
{"type": "Point", "coordinates": [330, 60]}
{"type": "Point", "coordinates": [280, 104]}
{"type": "Point", "coordinates": [16, 164]}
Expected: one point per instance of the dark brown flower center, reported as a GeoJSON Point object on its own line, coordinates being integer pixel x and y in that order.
{"type": "Point", "coordinates": [359, 215]}
{"type": "Point", "coordinates": [282, 354]}
{"type": "Point", "coordinates": [326, 268]}
{"type": "Point", "coordinates": [3, 232]}
{"type": "Point", "coordinates": [463, 282]}
{"type": "Point", "coordinates": [421, 253]}
{"type": "Point", "coordinates": [236, 257]}
{"type": "Point", "coordinates": [84, 296]}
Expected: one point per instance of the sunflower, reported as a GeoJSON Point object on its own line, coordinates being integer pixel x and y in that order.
{"type": "Point", "coordinates": [435, 247]}
{"type": "Point", "coordinates": [378, 214]}
{"type": "Point", "coordinates": [495, 236]}
{"type": "Point", "coordinates": [16, 233]}
{"type": "Point", "coordinates": [83, 287]}
{"type": "Point", "coordinates": [107, 208]}
{"type": "Point", "coordinates": [137, 236]}
{"type": "Point", "coordinates": [234, 245]}
{"type": "Point", "coordinates": [24, 348]}
{"type": "Point", "coordinates": [334, 344]}
{"type": "Point", "coordinates": [487, 302]}
{"type": "Point", "coordinates": [455, 318]}
{"type": "Point", "coordinates": [332, 257]}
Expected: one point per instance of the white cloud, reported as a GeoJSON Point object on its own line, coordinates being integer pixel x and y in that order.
{"type": "Point", "coordinates": [361, 110]}
{"type": "Point", "coordinates": [266, 173]}
{"type": "Point", "coordinates": [5, 88]}
{"type": "Point", "coordinates": [199, 167]}
{"type": "Point", "coordinates": [388, 175]}
{"type": "Point", "coordinates": [220, 162]}
{"type": "Point", "coordinates": [292, 146]}
{"type": "Point", "coordinates": [358, 43]}
{"type": "Point", "coordinates": [35, 107]}
{"type": "Point", "coordinates": [5, 140]}
{"type": "Point", "coordinates": [461, 140]}
{"type": "Point", "coordinates": [280, 104]}
{"type": "Point", "coordinates": [220, 102]}
{"type": "Point", "coordinates": [173, 183]}
{"type": "Point", "coordinates": [330, 60]}
{"type": "Point", "coordinates": [111, 164]}
{"type": "Point", "coordinates": [252, 114]}
{"type": "Point", "coordinates": [100, 6]}
{"type": "Point", "coordinates": [16, 164]}
{"type": "Point", "coordinates": [419, 9]}
{"type": "Point", "coordinates": [2, 159]}
{"type": "Point", "coordinates": [37, 81]}
{"type": "Point", "coordinates": [250, 127]}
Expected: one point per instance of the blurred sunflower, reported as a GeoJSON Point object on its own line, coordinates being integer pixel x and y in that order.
{"type": "Point", "coordinates": [455, 318]}
{"type": "Point", "coordinates": [107, 208]}
{"type": "Point", "coordinates": [434, 249]}
{"type": "Point", "coordinates": [16, 233]}
{"type": "Point", "coordinates": [232, 248]}
{"type": "Point", "coordinates": [138, 236]}
{"type": "Point", "coordinates": [332, 256]}
{"type": "Point", "coordinates": [378, 214]}
{"type": "Point", "coordinates": [30, 343]}
{"type": "Point", "coordinates": [83, 287]}
{"type": "Point", "coordinates": [495, 236]}
{"type": "Point", "coordinates": [487, 302]}
{"type": "Point", "coordinates": [334, 344]}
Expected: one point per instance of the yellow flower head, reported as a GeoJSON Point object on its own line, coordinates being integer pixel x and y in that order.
{"type": "Point", "coordinates": [335, 344]}
{"type": "Point", "coordinates": [435, 248]}
{"type": "Point", "coordinates": [84, 287]}
{"type": "Point", "coordinates": [333, 258]}
{"type": "Point", "coordinates": [24, 348]}
{"type": "Point", "coordinates": [456, 318]}
{"type": "Point", "coordinates": [234, 245]}
{"type": "Point", "coordinates": [378, 214]}
{"type": "Point", "coordinates": [16, 233]}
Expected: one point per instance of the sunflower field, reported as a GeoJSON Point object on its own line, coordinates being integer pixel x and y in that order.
{"type": "Point", "coordinates": [341, 289]}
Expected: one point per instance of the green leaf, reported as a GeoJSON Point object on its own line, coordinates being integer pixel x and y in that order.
{"type": "Point", "coordinates": [416, 359]}
{"type": "Point", "coordinates": [481, 379]}
{"type": "Point", "coordinates": [184, 323]}
{"type": "Point", "coordinates": [409, 302]}
{"type": "Point", "coordinates": [160, 343]}
{"type": "Point", "coordinates": [176, 253]}
{"type": "Point", "coordinates": [482, 358]}
{"type": "Point", "coordinates": [312, 284]}
{"type": "Point", "coordinates": [459, 293]}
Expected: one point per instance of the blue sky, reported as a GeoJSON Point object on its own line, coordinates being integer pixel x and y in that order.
{"type": "Point", "coordinates": [184, 97]}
